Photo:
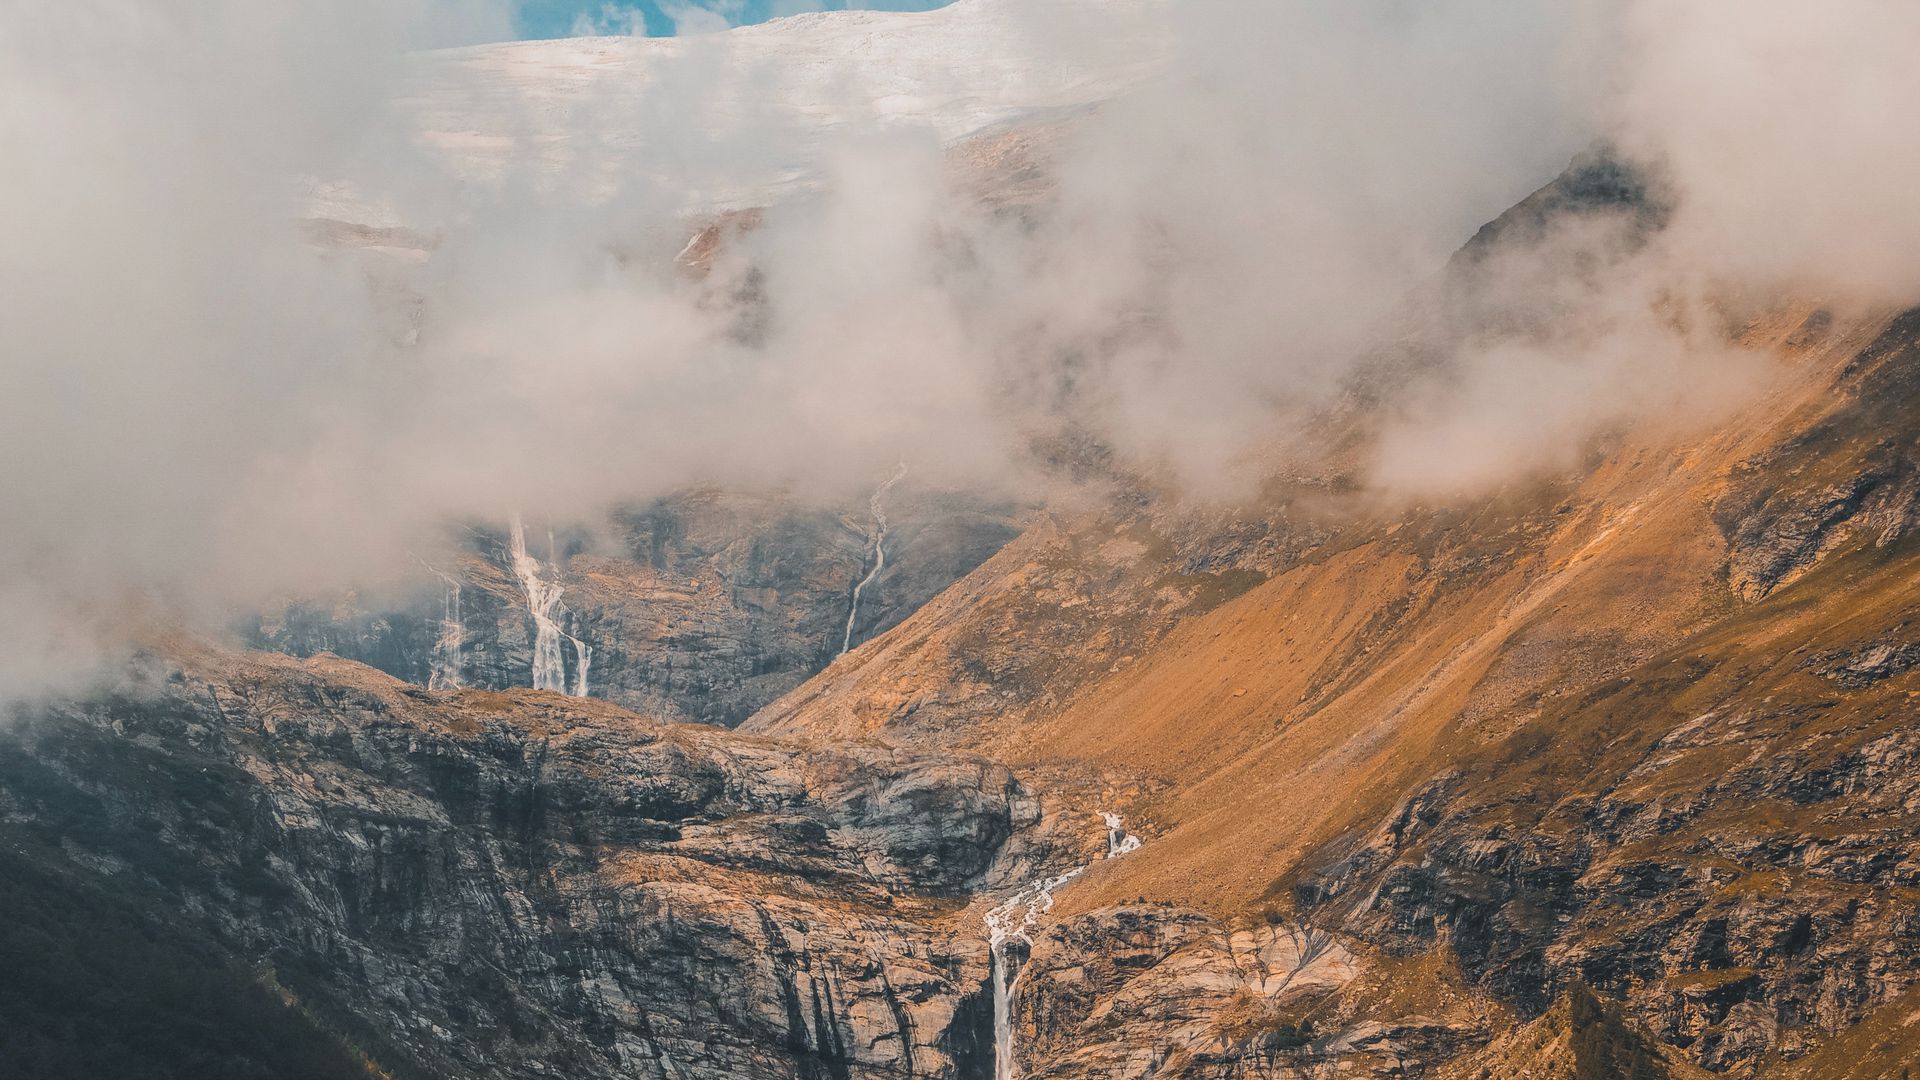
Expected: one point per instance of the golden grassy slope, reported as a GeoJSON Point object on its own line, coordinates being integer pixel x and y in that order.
{"type": "Point", "coordinates": [1308, 706]}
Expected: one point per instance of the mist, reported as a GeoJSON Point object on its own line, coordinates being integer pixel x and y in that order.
{"type": "Point", "coordinates": [205, 408]}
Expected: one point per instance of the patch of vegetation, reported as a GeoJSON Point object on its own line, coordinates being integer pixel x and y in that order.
{"type": "Point", "coordinates": [1211, 590]}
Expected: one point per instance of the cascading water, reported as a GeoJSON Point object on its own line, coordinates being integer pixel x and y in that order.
{"type": "Point", "coordinates": [446, 666]}
{"type": "Point", "coordinates": [876, 506]}
{"type": "Point", "coordinates": [1014, 920]}
{"type": "Point", "coordinates": [583, 657]}
{"type": "Point", "coordinates": [543, 602]}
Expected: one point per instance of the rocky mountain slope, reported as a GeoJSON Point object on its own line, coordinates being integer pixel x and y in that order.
{"type": "Point", "coordinates": [1638, 728]}
{"type": "Point", "coordinates": [1612, 773]}
{"type": "Point", "coordinates": [523, 884]}
{"type": "Point", "coordinates": [1582, 1035]}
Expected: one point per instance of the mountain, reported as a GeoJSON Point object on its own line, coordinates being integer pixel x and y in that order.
{"type": "Point", "coordinates": [504, 883]}
{"type": "Point", "coordinates": [1410, 782]}
{"type": "Point", "coordinates": [1636, 728]}
{"type": "Point", "coordinates": [1608, 772]}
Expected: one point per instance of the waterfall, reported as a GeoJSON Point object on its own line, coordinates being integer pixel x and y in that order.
{"type": "Point", "coordinates": [446, 665]}
{"type": "Point", "coordinates": [583, 654]}
{"type": "Point", "coordinates": [1014, 920]}
{"type": "Point", "coordinates": [543, 602]}
{"type": "Point", "coordinates": [875, 506]}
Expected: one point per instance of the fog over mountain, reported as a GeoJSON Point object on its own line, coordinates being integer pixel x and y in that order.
{"type": "Point", "coordinates": [206, 408]}
{"type": "Point", "coordinates": [1048, 539]}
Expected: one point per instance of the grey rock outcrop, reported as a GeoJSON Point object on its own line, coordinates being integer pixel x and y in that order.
{"type": "Point", "coordinates": [1139, 990]}
{"type": "Point", "coordinates": [1742, 915]}
{"type": "Point", "coordinates": [528, 885]}
{"type": "Point", "coordinates": [1850, 480]}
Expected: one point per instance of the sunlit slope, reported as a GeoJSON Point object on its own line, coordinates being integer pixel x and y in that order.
{"type": "Point", "coordinates": [1310, 702]}
{"type": "Point", "coordinates": [1581, 1038]}
{"type": "Point", "coordinates": [1648, 728]}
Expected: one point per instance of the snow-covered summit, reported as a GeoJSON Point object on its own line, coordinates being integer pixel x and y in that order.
{"type": "Point", "coordinates": [736, 114]}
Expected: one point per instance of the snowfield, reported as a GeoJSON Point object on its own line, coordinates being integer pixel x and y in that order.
{"type": "Point", "coordinates": [733, 117]}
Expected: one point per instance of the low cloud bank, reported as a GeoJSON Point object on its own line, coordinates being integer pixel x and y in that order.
{"type": "Point", "coordinates": [205, 408]}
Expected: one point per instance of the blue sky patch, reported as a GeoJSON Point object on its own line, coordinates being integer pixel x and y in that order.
{"type": "Point", "coordinates": [659, 18]}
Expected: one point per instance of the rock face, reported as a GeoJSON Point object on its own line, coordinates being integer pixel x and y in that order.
{"type": "Point", "coordinates": [1141, 990]}
{"type": "Point", "coordinates": [1731, 874]}
{"type": "Point", "coordinates": [703, 606]}
{"type": "Point", "coordinates": [484, 884]}
{"type": "Point", "coordinates": [1581, 1037]}
{"type": "Point", "coordinates": [1851, 477]}
{"type": "Point", "coordinates": [528, 885]}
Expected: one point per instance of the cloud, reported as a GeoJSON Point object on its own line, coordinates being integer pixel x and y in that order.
{"type": "Point", "coordinates": [206, 409]}
{"type": "Point", "coordinates": [1771, 136]}
{"type": "Point", "coordinates": [610, 19]}
{"type": "Point", "coordinates": [1784, 126]}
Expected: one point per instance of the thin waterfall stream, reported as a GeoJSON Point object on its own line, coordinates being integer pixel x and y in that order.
{"type": "Point", "coordinates": [876, 505]}
{"type": "Point", "coordinates": [446, 666]}
{"type": "Point", "coordinates": [1014, 919]}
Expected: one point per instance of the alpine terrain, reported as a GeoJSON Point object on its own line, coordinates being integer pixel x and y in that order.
{"type": "Point", "coordinates": [1529, 692]}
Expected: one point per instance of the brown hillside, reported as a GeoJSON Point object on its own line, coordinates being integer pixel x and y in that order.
{"type": "Point", "coordinates": [1379, 651]}
{"type": "Point", "coordinates": [1646, 728]}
